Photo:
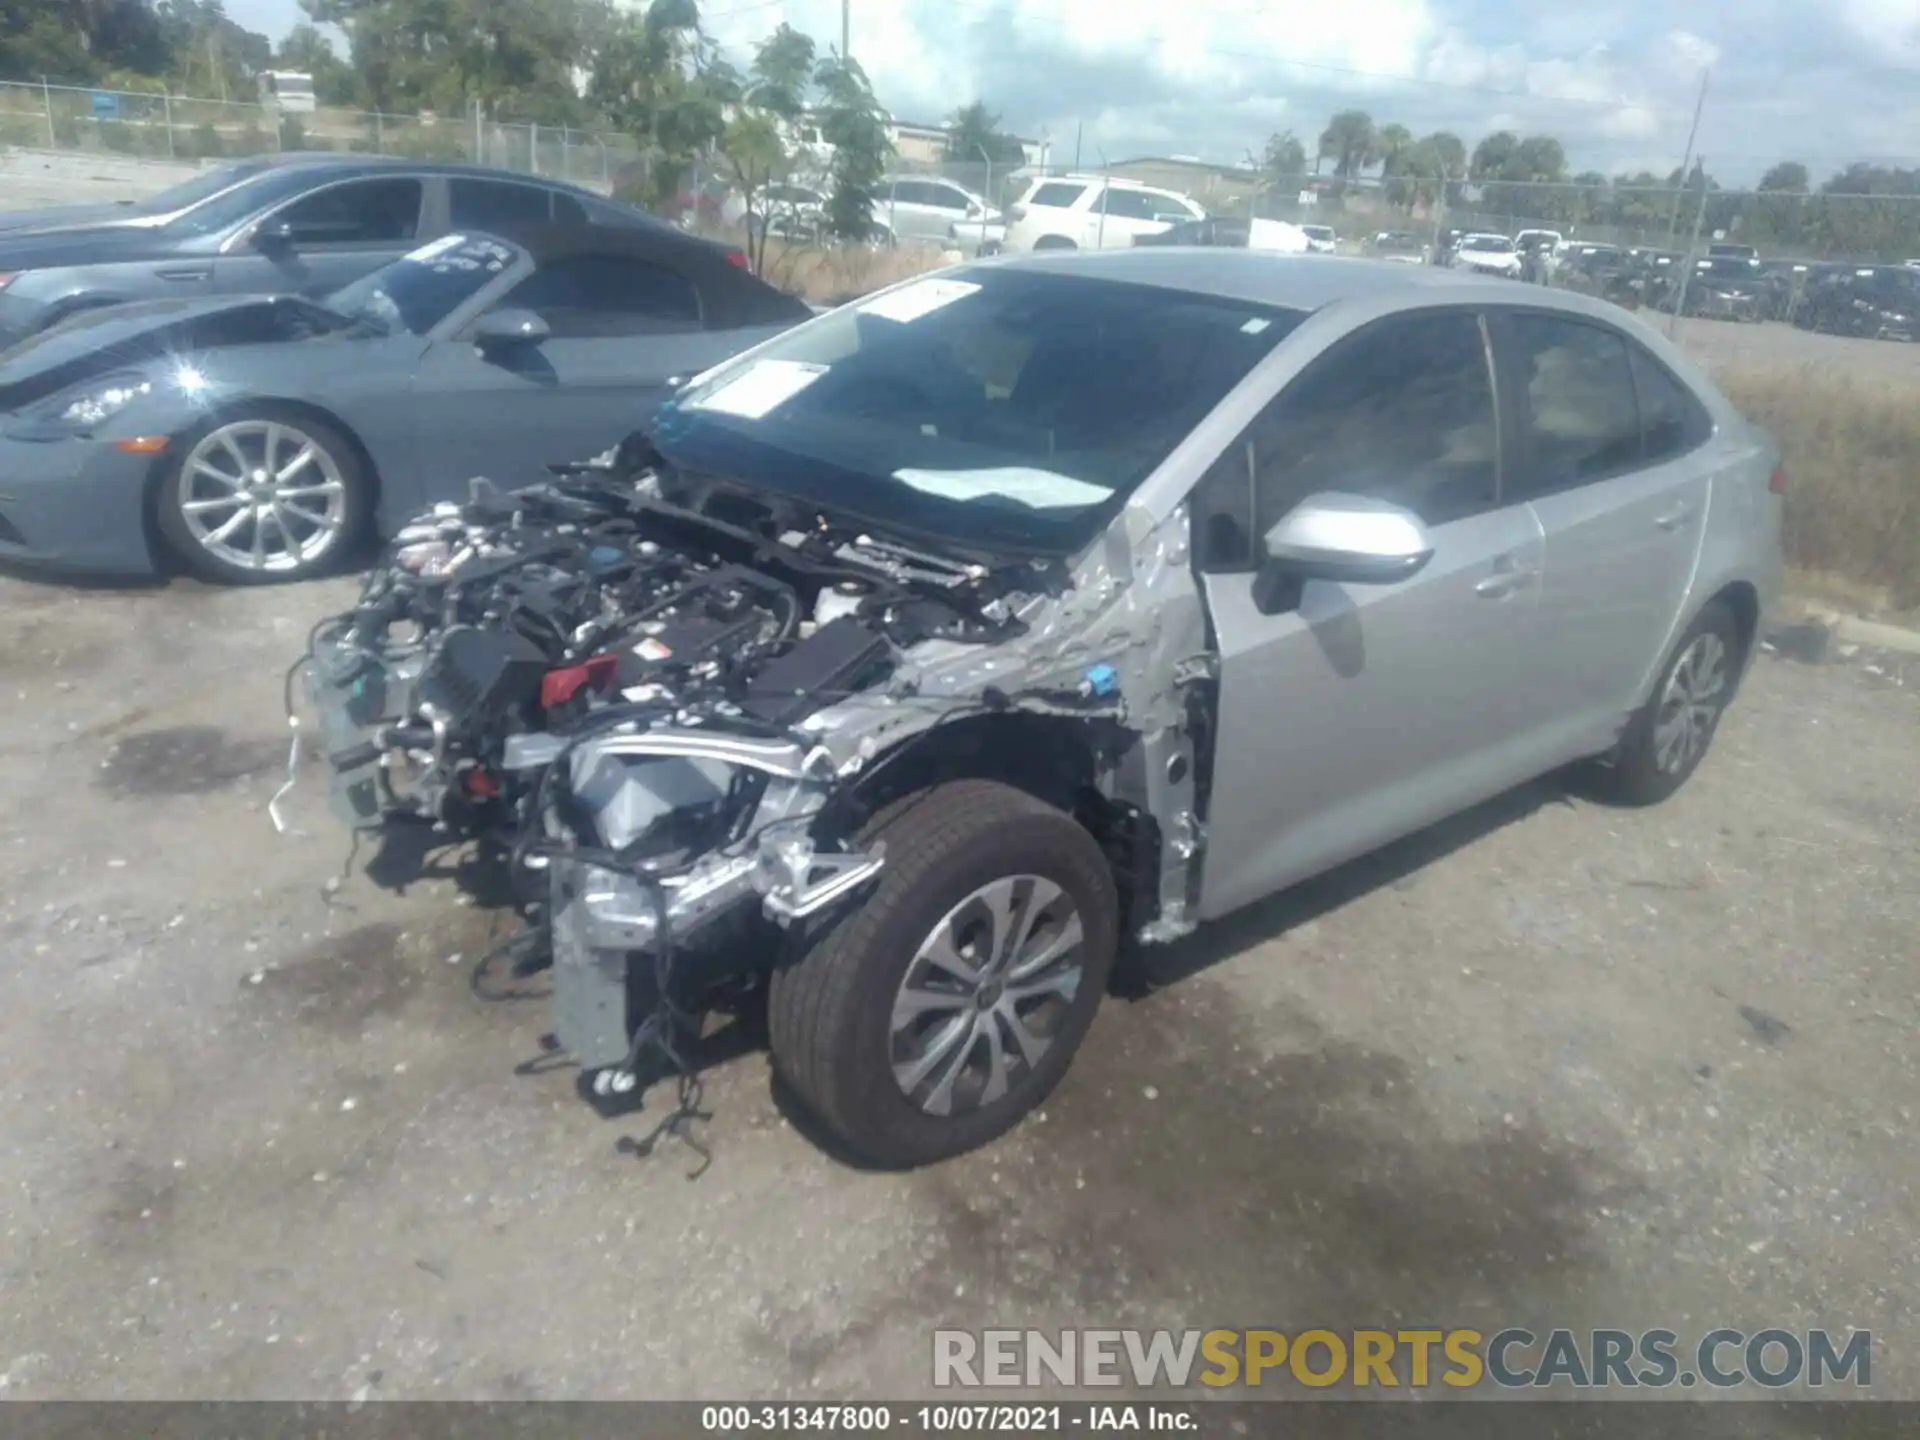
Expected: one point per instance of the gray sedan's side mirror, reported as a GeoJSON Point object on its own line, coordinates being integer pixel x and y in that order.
{"type": "Point", "coordinates": [271, 235]}
{"type": "Point", "coordinates": [1353, 539]}
{"type": "Point", "coordinates": [504, 329]}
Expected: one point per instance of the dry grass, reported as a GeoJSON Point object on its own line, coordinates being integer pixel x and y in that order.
{"type": "Point", "coordinates": [830, 276]}
{"type": "Point", "coordinates": [1852, 448]}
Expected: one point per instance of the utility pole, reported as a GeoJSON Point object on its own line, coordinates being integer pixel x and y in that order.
{"type": "Point", "coordinates": [1686, 266]}
{"type": "Point", "coordinates": [1686, 163]}
{"type": "Point", "coordinates": [846, 29]}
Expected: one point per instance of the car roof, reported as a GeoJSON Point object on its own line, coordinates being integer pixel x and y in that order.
{"type": "Point", "coordinates": [552, 242]}
{"type": "Point", "coordinates": [342, 162]}
{"type": "Point", "coordinates": [1296, 282]}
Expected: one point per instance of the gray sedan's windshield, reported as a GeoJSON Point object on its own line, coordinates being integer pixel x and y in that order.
{"type": "Point", "coordinates": [419, 290]}
{"type": "Point", "coordinates": [264, 187]}
{"type": "Point", "coordinates": [201, 187]}
{"type": "Point", "coordinates": [996, 406]}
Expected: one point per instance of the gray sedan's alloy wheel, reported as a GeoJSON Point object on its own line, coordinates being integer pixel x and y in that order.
{"type": "Point", "coordinates": [263, 496]}
{"type": "Point", "coordinates": [1664, 743]}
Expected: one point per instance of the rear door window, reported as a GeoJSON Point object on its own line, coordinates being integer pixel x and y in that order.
{"type": "Point", "coordinates": [1672, 420]}
{"type": "Point", "coordinates": [1583, 421]}
{"type": "Point", "coordinates": [1124, 204]}
{"type": "Point", "coordinates": [479, 204]}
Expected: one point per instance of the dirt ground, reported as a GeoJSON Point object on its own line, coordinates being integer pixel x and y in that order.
{"type": "Point", "coordinates": [1550, 1064]}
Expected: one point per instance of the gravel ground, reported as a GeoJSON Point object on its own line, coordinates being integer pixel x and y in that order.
{"type": "Point", "coordinates": [1549, 1064]}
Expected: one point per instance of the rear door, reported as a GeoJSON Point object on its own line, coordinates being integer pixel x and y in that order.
{"type": "Point", "coordinates": [340, 232]}
{"type": "Point", "coordinates": [1613, 460]}
{"type": "Point", "coordinates": [1128, 212]}
{"type": "Point", "coordinates": [1352, 714]}
{"type": "Point", "coordinates": [624, 331]}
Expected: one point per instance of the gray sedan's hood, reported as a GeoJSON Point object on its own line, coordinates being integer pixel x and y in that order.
{"type": "Point", "coordinates": [119, 337]}
{"type": "Point", "coordinates": [99, 244]}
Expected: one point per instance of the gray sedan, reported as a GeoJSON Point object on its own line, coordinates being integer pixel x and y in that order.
{"type": "Point", "coordinates": [256, 438]}
{"type": "Point", "coordinates": [302, 224]}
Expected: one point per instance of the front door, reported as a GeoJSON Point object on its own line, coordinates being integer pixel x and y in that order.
{"type": "Point", "coordinates": [623, 331]}
{"type": "Point", "coordinates": [1614, 461]}
{"type": "Point", "coordinates": [1352, 714]}
{"type": "Point", "coordinates": [337, 234]}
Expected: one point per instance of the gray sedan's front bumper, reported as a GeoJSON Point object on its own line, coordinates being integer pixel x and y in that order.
{"type": "Point", "coordinates": [75, 505]}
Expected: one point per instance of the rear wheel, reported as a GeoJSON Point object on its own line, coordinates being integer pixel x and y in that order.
{"type": "Point", "coordinates": [1054, 242]}
{"type": "Point", "coordinates": [932, 1019]}
{"type": "Point", "coordinates": [1665, 742]}
{"type": "Point", "coordinates": [263, 495]}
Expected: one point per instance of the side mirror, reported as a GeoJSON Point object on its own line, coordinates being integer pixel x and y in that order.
{"type": "Point", "coordinates": [1350, 539]}
{"type": "Point", "coordinates": [505, 329]}
{"type": "Point", "coordinates": [272, 235]}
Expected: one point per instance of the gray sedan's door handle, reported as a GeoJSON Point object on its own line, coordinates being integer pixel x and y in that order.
{"type": "Point", "coordinates": [1507, 577]}
{"type": "Point", "coordinates": [197, 272]}
{"type": "Point", "coordinates": [1675, 517]}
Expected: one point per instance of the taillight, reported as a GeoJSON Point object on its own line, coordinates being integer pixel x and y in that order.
{"type": "Point", "coordinates": [6, 278]}
{"type": "Point", "coordinates": [1778, 484]}
{"type": "Point", "coordinates": [737, 259]}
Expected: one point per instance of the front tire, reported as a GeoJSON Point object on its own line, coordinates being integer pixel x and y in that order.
{"type": "Point", "coordinates": [1666, 740]}
{"type": "Point", "coordinates": [950, 1004]}
{"type": "Point", "coordinates": [262, 495]}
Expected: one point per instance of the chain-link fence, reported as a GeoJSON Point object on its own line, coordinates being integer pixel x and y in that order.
{"type": "Point", "coordinates": [177, 128]}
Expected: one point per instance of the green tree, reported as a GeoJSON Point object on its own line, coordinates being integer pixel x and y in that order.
{"type": "Point", "coordinates": [1350, 141]}
{"type": "Point", "coordinates": [659, 78]}
{"type": "Point", "coordinates": [308, 52]}
{"type": "Point", "coordinates": [974, 131]}
{"type": "Point", "coordinates": [1285, 160]}
{"type": "Point", "coordinates": [756, 149]}
{"type": "Point", "coordinates": [854, 125]}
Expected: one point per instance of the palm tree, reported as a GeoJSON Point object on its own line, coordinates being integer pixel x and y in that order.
{"type": "Point", "coordinates": [1350, 140]}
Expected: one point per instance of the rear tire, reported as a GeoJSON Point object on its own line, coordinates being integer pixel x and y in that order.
{"type": "Point", "coordinates": [1668, 737]}
{"type": "Point", "coordinates": [1054, 242]}
{"type": "Point", "coordinates": [933, 1018]}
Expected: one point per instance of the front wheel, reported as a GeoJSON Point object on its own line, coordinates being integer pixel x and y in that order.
{"type": "Point", "coordinates": [951, 1003]}
{"type": "Point", "coordinates": [262, 495]}
{"type": "Point", "coordinates": [1666, 740]}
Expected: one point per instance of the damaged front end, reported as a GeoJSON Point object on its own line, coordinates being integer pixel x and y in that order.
{"type": "Point", "coordinates": [670, 704]}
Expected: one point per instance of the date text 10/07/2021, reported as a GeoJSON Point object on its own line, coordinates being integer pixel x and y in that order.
{"type": "Point", "coordinates": [963, 1419]}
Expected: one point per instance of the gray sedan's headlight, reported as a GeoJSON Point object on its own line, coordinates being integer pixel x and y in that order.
{"type": "Point", "coordinates": [101, 400]}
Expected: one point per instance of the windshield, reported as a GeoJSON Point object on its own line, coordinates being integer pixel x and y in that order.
{"type": "Point", "coordinates": [200, 187]}
{"type": "Point", "coordinates": [419, 290]}
{"type": "Point", "coordinates": [1009, 410]}
{"type": "Point", "coordinates": [265, 186]}
{"type": "Point", "coordinates": [1318, 232]}
{"type": "Point", "coordinates": [1496, 243]}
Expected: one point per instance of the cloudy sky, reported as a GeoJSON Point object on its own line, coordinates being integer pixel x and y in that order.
{"type": "Point", "coordinates": [1614, 79]}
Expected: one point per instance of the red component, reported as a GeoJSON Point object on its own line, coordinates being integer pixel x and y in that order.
{"type": "Point", "coordinates": [1778, 484]}
{"type": "Point", "coordinates": [560, 686]}
{"type": "Point", "coordinates": [482, 784]}
{"type": "Point", "coordinates": [737, 259]}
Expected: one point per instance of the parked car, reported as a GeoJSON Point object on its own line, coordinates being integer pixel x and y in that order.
{"type": "Point", "coordinates": [788, 210]}
{"type": "Point", "coordinates": [152, 211]}
{"type": "Point", "coordinates": [1551, 241]}
{"type": "Point", "coordinates": [1490, 255]}
{"type": "Point", "coordinates": [256, 438]}
{"type": "Point", "coordinates": [1872, 302]}
{"type": "Point", "coordinates": [1725, 287]}
{"type": "Point", "coordinates": [1237, 232]}
{"type": "Point", "coordinates": [302, 228]}
{"type": "Point", "coordinates": [1321, 239]}
{"type": "Point", "coordinates": [929, 210]}
{"type": "Point", "coordinates": [966, 663]}
{"type": "Point", "coordinates": [1604, 271]}
{"type": "Point", "coordinates": [1090, 212]}
{"type": "Point", "coordinates": [1784, 285]}
{"type": "Point", "coordinates": [1401, 246]}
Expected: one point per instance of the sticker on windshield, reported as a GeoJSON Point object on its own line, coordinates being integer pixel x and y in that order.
{"type": "Point", "coordinates": [759, 389]}
{"type": "Point", "coordinates": [922, 297]}
{"type": "Point", "coordinates": [1034, 488]}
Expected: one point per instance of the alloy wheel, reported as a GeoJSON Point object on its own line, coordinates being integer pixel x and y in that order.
{"type": "Point", "coordinates": [263, 495]}
{"type": "Point", "coordinates": [986, 994]}
{"type": "Point", "coordinates": [1690, 704]}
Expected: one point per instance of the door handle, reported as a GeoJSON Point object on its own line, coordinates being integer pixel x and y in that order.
{"type": "Point", "coordinates": [1675, 517]}
{"type": "Point", "coordinates": [1506, 578]}
{"type": "Point", "coordinates": [197, 272]}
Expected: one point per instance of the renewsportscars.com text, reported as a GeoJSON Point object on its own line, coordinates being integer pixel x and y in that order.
{"type": "Point", "coordinates": [1508, 1359]}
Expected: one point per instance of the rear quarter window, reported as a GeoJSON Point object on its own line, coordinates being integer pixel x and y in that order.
{"type": "Point", "coordinates": [1057, 194]}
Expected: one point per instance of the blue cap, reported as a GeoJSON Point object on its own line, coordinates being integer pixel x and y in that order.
{"type": "Point", "coordinates": [1102, 679]}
